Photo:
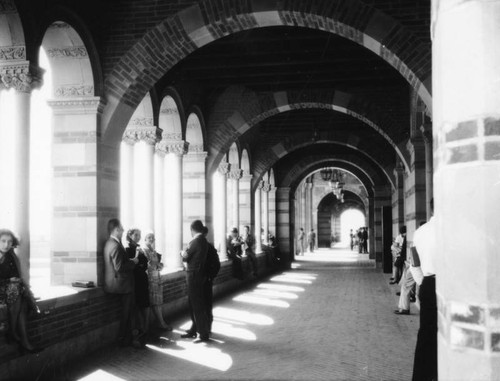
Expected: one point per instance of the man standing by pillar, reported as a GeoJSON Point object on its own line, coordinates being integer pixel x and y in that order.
{"type": "Point", "coordinates": [311, 239]}
{"type": "Point", "coordinates": [422, 269]}
{"type": "Point", "coordinates": [119, 278]}
{"type": "Point", "coordinates": [195, 257]}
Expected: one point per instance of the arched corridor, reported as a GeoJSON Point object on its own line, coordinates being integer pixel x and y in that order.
{"type": "Point", "coordinates": [324, 319]}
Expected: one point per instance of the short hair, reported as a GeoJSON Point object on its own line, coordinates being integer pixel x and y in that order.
{"type": "Point", "coordinates": [246, 227]}
{"type": "Point", "coordinates": [197, 226]}
{"type": "Point", "coordinates": [113, 224]}
{"type": "Point", "coordinates": [130, 232]}
{"type": "Point", "coordinates": [234, 230]}
{"type": "Point", "coordinates": [15, 240]}
{"type": "Point", "coordinates": [402, 229]}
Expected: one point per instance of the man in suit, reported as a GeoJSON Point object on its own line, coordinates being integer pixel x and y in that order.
{"type": "Point", "coordinates": [119, 278]}
{"type": "Point", "coordinates": [195, 258]}
{"type": "Point", "coordinates": [365, 240]}
{"type": "Point", "coordinates": [311, 239]}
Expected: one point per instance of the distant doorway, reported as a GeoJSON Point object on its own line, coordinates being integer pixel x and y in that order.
{"type": "Point", "coordinates": [350, 219]}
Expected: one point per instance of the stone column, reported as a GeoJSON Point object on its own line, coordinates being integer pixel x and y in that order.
{"type": "Point", "coordinates": [143, 185]}
{"type": "Point", "coordinates": [415, 188]}
{"type": "Point", "coordinates": [246, 200]}
{"type": "Point", "coordinates": [466, 135]}
{"type": "Point", "coordinates": [127, 183]}
{"type": "Point", "coordinates": [272, 210]}
{"type": "Point", "coordinates": [426, 130]}
{"type": "Point", "coordinates": [382, 197]}
{"type": "Point", "coordinates": [221, 215]}
{"type": "Point", "coordinates": [234, 177]}
{"type": "Point", "coordinates": [258, 217]}
{"type": "Point", "coordinates": [22, 77]}
{"type": "Point", "coordinates": [303, 207]}
{"type": "Point", "coordinates": [371, 226]}
{"type": "Point", "coordinates": [159, 198]}
{"type": "Point", "coordinates": [309, 207]}
{"type": "Point", "coordinates": [175, 150]}
{"type": "Point", "coordinates": [398, 199]}
{"type": "Point", "coordinates": [194, 189]}
{"type": "Point", "coordinates": [284, 235]}
{"type": "Point", "coordinates": [266, 187]}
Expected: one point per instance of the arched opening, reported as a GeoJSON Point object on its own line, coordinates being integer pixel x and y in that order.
{"type": "Point", "coordinates": [350, 219]}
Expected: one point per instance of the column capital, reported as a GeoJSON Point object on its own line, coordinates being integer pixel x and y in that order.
{"type": "Point", "coordinates": [235, 174]}
{"type": "Point", "coordinates": [266, 187]}
{"type": "Point", "coordinates": [224, 168]}
{"type": "Point", "coordinates": [78, 105]}
{"type": "Point", "coordinates": [426, 130]}
{"type": "Point", "coordinates": [178, 147]}
{"type": "Point", "coordinates": [147, 133]}
{"type": "Point", "coordinates": [21, 76]}
{"type": "Point", "coordinates": [247, 175]}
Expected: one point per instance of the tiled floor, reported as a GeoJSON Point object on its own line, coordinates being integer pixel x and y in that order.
{"type": "Point", "coordinates": [329, 318]}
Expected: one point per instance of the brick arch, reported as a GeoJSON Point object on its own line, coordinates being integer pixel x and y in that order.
{"type": "Point", "coordinates": [239, 109]}
{"type": "Point", "coordinates": [148, 60]}
{"type": "Point", "coordinates": [366, 173]}
{"type": "Point", "coordinates": [386, 172]}
{"type": "Point", "coordinates": [361, 205]}
{"type": "Point", "coordinates": [362, 200]}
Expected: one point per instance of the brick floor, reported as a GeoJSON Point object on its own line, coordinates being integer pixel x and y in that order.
{"type": "Point", "coordinates": [329, 318]}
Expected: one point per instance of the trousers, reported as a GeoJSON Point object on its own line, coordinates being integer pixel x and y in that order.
{"type": "Point", "coordinates": [196, 281]}
{"type": "Point", "coordinates": [425, 363]}
{"type": "Point", "coordinates": [407, 283]}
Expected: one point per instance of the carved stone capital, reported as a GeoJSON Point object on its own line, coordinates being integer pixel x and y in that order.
{"type": "Point", "coordinates": [426, 130]}
{"type": "Point", "coordinates": [148, 134]}
{"type": "Point", "coordinates": [224, 168]}
{"type": "Point", "coordinates": [12, 53]}
{"type": "Point", "coordinates": [68, 52]}
{"type": "Point", "coordinates": [267, 186]}
{"type": "Point", "coordinates": [74, 91]}
{"type": "Point", "coordinates": [21, 76]}
{"type": "Point", "coordinates": [235, 174]}
{"type": "Point", "coordinates": [77, 105]}
{"type": "Point", "coordinates": [196, 148]}
{"type": "Point", "coordinates": [178, 147]}
{"type": "Point", "coordinates": [171, 136]}
{"type": "Point", "coordinates": [7, 6]}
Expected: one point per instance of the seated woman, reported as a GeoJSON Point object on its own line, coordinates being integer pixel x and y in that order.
{"type": "Point", "coordinates": [155, 288]}
{"type": "Point", "coordinates": [141, 284]}
{"type": "Point", "coordinates": [14, 292]}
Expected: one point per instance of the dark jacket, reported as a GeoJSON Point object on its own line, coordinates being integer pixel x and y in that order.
{"type": "Point", "coordinates": [118, 269]}
{"type": "Point", "coordinates": [196, 254]}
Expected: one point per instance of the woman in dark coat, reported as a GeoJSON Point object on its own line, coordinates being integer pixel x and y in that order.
{"type": "Point", "coordinates": [141, 287]}
{"type": "Point", "coordinates": [14, 292]}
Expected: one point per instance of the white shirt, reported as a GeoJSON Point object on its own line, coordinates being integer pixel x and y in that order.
{"type": "Point", "coordinates": [424, 241]}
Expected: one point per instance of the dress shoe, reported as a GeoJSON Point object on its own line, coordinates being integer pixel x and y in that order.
{"type": "Point", "coordinates": [188, 335]}
{"type": "Point", "coordinates": [202, 339]}
{"type": "Point", "coordinates": [402, 312]}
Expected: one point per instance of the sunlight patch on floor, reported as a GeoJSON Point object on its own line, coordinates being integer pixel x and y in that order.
{"type": "Point", "coordinates": [280, 287]}
{"type": "Point", "coordinates": [248, 298]}
{"type": "Point", "coordinates": [101, 375]}
{"type": "Point", "coordinates": [242, 316]}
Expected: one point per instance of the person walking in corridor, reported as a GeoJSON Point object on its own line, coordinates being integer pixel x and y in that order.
{"type": "Point", "coordinates": [300, 240]}
{"type": "Point", "coordinates": [311, 240]}
{"type": "Point", "coordinates": [119, 278]}
{"type": "Point", "coordinates": [398, 250]}
{"type": "Point", "coordinates": [195, 258]}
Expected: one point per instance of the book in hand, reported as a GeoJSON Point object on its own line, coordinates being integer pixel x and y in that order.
{"type": "Point", "coordinates": [83, 283]}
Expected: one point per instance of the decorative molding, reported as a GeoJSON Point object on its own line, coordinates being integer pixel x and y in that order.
{"type": "Point", "coordinates": [426, 130]}
{"type": "Point", "coordinates": [59, 25]}
{"type": "Point", "coordinates": [21, 76]}
{"type": "Point", "coordinates": [140, 122]}
{"type": "Point", "coordinates": [169, 111]}
{"type": "Point", "coordinates": [196, 148]}
{"type": "Point", "coordinates": [224, 168]}
{"type": "Point", "coordinates": [267, 186]}
{"type": "Point", "coordinates": [148, 134]}
{"type": "Point", "coordinates": [179, 147]}
{"type": "Point", "coordinates": [84, 105]}
{"type": "Point", "coordinates": [12, 53]}
{"type": "Point", "coordinates": [68, 52]}
{"type": "Point", "coordinates": [235, 174]}
{"type": "Point", "coordinates": [74, 91]}
{"type": "Point", "coordinates": [171, 136]}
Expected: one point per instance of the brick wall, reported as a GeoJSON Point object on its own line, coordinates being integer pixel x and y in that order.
{"type": "Point", "coordinates": [74, 325]}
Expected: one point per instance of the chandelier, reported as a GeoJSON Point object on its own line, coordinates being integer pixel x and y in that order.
{"type": "Point", "coordinates": [335, 179]}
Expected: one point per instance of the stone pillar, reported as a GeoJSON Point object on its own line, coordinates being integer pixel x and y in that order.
{"type": "Point", "coordinates": [309, 207]}
{"type": "Point", "coordinates": [415, 192]}
{"type": "Point", "coordinates": [426, 130]}
{"type": "Point", "coordinates": [371, 226]}
{"type": "Point", "coordinates": [303, 207]}
{"type": "Point", "coordinates": [466, 140]}
{"type": "Point", "coordinates": [159, 199]}
{"type": "Point", "coordinates": [127, 183]}
{"type": "Point", "coordinates": [284, 233]}
{"type": "Point", "coordinates": [194, 189]}
{"type": "Point", "coordinates": [258, 217]}
{"type": "Point", "coordinates": [398, 199]}
{"type": "Point", "coordinates": [220, 216]}
{"type": "Point", "coordinates": [266, 187]}
{"type": "Point", "coordinates": [234, 177]}
{"type": "Point", "coordinates": [272, 210]}
{"type": "Point", "coordinates": [382, 197]}
{"type": "Point", "coordinates": [175, 150]}
{"type": "Point", "coordinates": [144, 150]}
{"type": "Point", "coordinates": [246, 200]}
{"type": "Point", "coordinates": [22, 77]}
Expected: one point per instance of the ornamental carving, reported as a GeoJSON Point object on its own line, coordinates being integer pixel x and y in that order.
{"type": "Point", "coordinates": [266, 186]}
{"type": "Point", "coordinates": [178, 148]}
{"type": "Point", "coordinates": [74, 91]}
{"type": "Point", "coordinates": [196, 148]}
{"type": "Point", "coordinates": [260, 185]}
{"type": "Point", "coordinates": [12, 53]}
{"type": "Point", "coordinates": [59, 25]}
{"type": "Point", "coordinates": [235, 174]}
{"type": "Point", "coordinates": [171, 136]}
{"type": "Point", "coordinates": [224, 168]}
{"type": "Point", "coordinates": [144, 122]}
{"type": "Point", "coordinates": [169, 111]}
{"type": "Point", "coordinates": [21, 77]}
{"type": "Point", "coordinates": [69, 52]}
{"type": "Point", "coordinates": [150, 135]}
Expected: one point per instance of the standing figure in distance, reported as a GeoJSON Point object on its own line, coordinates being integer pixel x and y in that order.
{"type": "Point", "coordinates": [311, 239]}
{"type": "Point", "coordinates": [234, 253]}
{"type": "Point", "coordinates": [248, 245]}
{"type": "Point", "coordinates": [365, 240]}
{"type": "Point", "coordinates": [300, 240]}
